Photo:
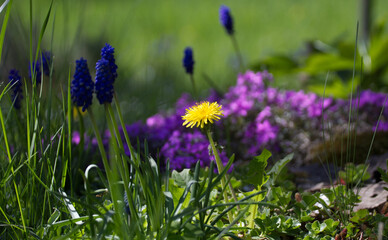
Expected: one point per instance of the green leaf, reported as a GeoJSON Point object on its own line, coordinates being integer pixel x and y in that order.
{"type": "Point", "coordinates": [377, 54]}
{"type": "Point", "coordinates": [310, 200]}
{"type": "Point", "coordinates": [54, 217]}
{"type": "Point", "coordinates": [338, 88]}
{"type": "Point", "coordinates": [323, 62]}
{"type": "Point", "coordinates": [169, 201]}
{"type": "Point", "coordinates": [308, 237]}
{"type": "Point", "coordinates": [280, 64]}
{"type": "Point", "coordinates": [384, 175]}
{"type": "Point", "coordinates": [256, 169]}
{"type": "Point", "coordinates": [279, 196]}
{"type": "Point", "coordinates": [177, 192]}
{"type": "Point", "coordinates": [277, 168]}
{"type": "Point", "coordinates": [360, 216]}
{"type": "Point", "coordinates": [291, 223]}
{"type": "Point", "coordinates": [181, 179]}
{"type": "Point", "coordinates": [331, 226]}
{"type": "Point", "coordinates": [192, 231]}
{"type": "Point", "coordinates": [304, 216]}
{"type": "Point", "coordinates": [322, 227]}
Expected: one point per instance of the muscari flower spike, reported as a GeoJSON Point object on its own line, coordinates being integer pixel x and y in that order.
{"type": "Point", "coordinates": [104, 81]}
{"type": "Point", "coordinates": [188, 61]}
{"type": "Point", "coordinates": [226, 19]}
{"type": "Point", "coordinates": [15, 81]}
{"type": "Point", "coordinates": [44, 62]}
{"type": "Point", "coordinates": [37, 70]}
{"type": "Point", "coordinates": [202, 113]}
{"type": "Point", "coordinates": [82, 85]}
{"type": "Point", "coordinates": [107, 52]}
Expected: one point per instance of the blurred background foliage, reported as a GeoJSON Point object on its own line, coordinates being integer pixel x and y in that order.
{"type": "Point", "coordinates": [298, 41]}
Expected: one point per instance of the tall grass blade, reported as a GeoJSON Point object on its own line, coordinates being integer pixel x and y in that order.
{"type": "Point", "coordinates": [5, 23]}
{"type": "Point", "coordinates": [4, 5]}
{"type": "Point", "coordinates": [10, 160]}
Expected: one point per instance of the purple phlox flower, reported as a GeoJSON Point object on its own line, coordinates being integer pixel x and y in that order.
{"type": "Point", "coordinates": [267, 76]}
{"type": "Point", "coordinates": [226, 19]}
{"type": "Point", "coordinates": [188, 60]}
{"type": "Point", "coordinates": [82, 85]}
{"type": "Point", "coordinates": [275, 97]}
{"type": "Point", "coordinates": [94, 143]}
{"type": "Point", "coordinates": [107, 52]}
{"type": "Point", "coordinates": [104, 81]}
{"type": "Point", "coordinates": [300, 101]}
{"type": "Point", "coordinates": [239, 107]}
{"type": "Point", "coordinates": [338, 105]}
{"type": "Point", "coordinates": [183, 103]}
{"type": "Point", "coordinates": [160, 127]}
{"type": "Point", "coordinates": [383, 127]}
{"type": "Point", "coordinates": [76, 138]}
{"type": "Point", "coordinates": [249, 90]}
{"type": "Point", "coordinates": [260, 133]}
{"type": "Point", "coordinates": [106, 136]}
{"type": "Point", "coordinates": [315, 109]}
{"type": "Point", "coordinates": [264, 114]}
{"type": "Point", "coordinates": [371, 102]}
{"type": "Point", "coordinates": [214, 96]}
{"type": "Point", "coordinates": [16, 84]}
{"type": "Point", "coordinates": [156, 121]}
{"type": "Point", "coordinates": [138, 133]}
{"type": "Point", "coordinates": [251, 78]}
{"type": "Point", "coordinates": [184, 149]}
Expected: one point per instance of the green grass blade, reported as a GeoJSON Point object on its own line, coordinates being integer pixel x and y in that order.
{"type": "Point", "coordinates": [42, 31]}
{"type": "Point", "coordinates": [239, 216]}
{"type": "Point", "coordinates": [68, 116]}
{"type": "Point", "coordinates": [4, 26]}
{"type": "Point", "coordinates": [10, 159]}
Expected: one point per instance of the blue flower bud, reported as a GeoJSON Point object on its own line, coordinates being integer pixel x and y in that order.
{"type": "Point", "coordinates": [188, 61]}
{"type": "Point", "coordinates": [226, 19]}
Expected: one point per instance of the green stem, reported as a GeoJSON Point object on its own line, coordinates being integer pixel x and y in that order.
{"type": "Point", "coordinates": [129, 145]}
{"type": "Point", "coordinates": [125, 174]}
{"type": "Point", "coordinates": [100, 144]}
{"type": "Point", "coordinates": [238, 53]}
{"type": "Point", "coordinates": [220, 168]}
{"type": "Point", "coordinates": [106, 166]}
{"type": "Point", "coordinates": [195, 93]}
{"type": "Point", "coordinates": [117, 140]}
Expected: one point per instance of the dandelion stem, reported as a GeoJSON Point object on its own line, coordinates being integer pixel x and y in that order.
{"type": "Point", "coordinates": [220, 168]}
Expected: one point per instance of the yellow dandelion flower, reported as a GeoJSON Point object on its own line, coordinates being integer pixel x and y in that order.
{"type": "Point", "coordinates": [202, 113]}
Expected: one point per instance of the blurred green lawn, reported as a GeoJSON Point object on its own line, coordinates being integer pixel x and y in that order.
{"type": "Point", "coordinates": [149, 38]}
